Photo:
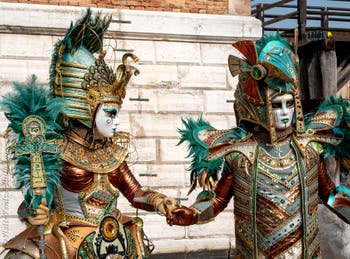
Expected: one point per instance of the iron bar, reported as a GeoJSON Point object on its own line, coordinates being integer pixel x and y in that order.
{"type": "Point", "coordinates": [280, 18]}
{"type": "Point", "coordinates": [301, 13]}
{"type": "Point", "coordinates": [314, 18]}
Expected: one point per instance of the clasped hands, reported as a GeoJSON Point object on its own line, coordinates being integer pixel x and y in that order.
{"type": "Point", "coordinates": [175, 213]}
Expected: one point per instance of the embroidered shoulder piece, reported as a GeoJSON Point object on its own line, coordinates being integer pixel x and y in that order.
{"type": "Point", "coordinates": [326, 118]}
{"type": "Point", "coordinates": [330, 127]}
{"type": "Point", "coordinates": [247, 146]}
{"type": "Point", "coordinates": [325, 138]}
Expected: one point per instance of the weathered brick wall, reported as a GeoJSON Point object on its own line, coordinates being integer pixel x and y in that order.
{"type": "Point", "coordinates": [240, 7]}
{"type": "Point", "coordinates": [183, 73]}
{"type": "Point", "coordinates": [198, 6]}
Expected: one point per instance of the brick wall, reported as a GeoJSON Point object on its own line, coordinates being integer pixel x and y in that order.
{"type": "Point", "coordinates": [187, 6]}
{"type": "Point", "coordinates": [183, 74]}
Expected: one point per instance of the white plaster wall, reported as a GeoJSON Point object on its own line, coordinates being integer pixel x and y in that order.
{"type": "Point", "coordinates": [183, 65]}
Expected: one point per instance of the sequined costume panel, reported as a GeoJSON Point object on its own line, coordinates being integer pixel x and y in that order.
{"type": "Point", "coordinates": [279, 210]}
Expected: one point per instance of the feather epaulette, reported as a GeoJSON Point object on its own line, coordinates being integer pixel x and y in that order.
{"type": "Point", "coordinates": [330, 125]}
{"type": "Point", "coordinates": [208, 147]}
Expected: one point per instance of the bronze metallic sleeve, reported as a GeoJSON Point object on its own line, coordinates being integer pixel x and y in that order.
{"type": "Point", "coordinates": [326, 187]}
{"type": "Point", "coordinates": [123, 179]}
{"type": "Point", "coordinates": [223, 192]}
{"type": "Point", "coordinates": [208, 208]}
{"type": "Point", "coordinates": [325, 184]}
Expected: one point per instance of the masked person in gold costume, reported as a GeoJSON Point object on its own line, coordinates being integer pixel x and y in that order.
{"type": "Point", "coordinates": [79, 213]}
{"type": "Point", "coordinates": [272, 163]}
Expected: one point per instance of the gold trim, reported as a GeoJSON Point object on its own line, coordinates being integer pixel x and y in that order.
{"type": "Point", "coordinates": [69, 95]}
{"type": "Point", "coordinates": [86, 107]}
{"type": "Point", "coordinates": [70, 87]}
{"type": "Point", "coordinates": [70, 64]}
{"type": "Point", "coordinates": [270, 120]}
{"type": "Point", "coordinates": [247, 148]}
{"type": "Point", "coordinates": [69, 74]}
{"type": "Point", "coordinates": [104, 192]}
{"type": "Point", "coordinates": [74, 220]}
{"type": "Point", "coordinates": [76, 116]}
{"type": "Point", "coordinates": [59, 84]}
{"type": "Point", "coordinates": [102, 160]}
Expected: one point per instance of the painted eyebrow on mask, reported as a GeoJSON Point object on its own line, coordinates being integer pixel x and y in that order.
{"type": "Point", "coordinates": [278, 104]}
{"type": "Point", "coordinates": [110, 111]}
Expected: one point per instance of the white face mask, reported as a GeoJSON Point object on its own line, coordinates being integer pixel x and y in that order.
{"type": "Point", "coordinates": [107, 120]}
{"type": "Point", "coordinates": [283, 110]}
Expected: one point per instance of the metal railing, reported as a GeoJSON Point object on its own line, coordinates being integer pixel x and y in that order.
{"type": "Point", "coordinates": [312, 22]}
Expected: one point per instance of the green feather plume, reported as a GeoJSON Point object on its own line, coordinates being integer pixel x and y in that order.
{"type": "Point", "coordinates": [87, 32]}
{"type": "Point", "coordinates": [198, 150]}
{"type": "Point", "coordinates": [31, 99]}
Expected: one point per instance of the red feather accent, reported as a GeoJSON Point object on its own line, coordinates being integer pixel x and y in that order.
{"type": "Point", "coordinates": [247, 48]}
{"type": "Point", "coordinates": [251, 91]}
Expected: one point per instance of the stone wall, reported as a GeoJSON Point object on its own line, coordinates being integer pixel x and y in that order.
{"type": "Point", "coordinates": [239, 7]}
{"type": "Point", "coordinates": [183, 65]}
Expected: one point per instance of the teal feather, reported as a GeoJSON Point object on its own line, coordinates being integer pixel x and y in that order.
{"type": "Point", "coordinates": [261, 43]}
{"type": "Point", "coordinates": [32, 99]}
{"type": "Point", "coordinates": [199, 151]}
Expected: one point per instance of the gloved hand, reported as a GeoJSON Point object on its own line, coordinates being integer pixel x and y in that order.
{"type": "Point", "coordinates": [182, 216]}
{"type": "Point", "coordinates": [42, 215]}
{"type": "Point", "coordinates": [166, 204]}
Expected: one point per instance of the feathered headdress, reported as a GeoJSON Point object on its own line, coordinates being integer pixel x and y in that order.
{"type": "Point", "coordinates": [82, 80]}
{"type": "Point", "coordinates": [32, 115]}
{"type": "Point", "coordinates": [268, 63]}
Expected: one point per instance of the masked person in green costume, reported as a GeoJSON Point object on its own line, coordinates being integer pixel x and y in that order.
{"type": "Point", "coordinates": [272, 163]}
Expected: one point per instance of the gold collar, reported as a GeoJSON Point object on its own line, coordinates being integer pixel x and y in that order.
{"type": "Point", "coordinates": [100, 160]}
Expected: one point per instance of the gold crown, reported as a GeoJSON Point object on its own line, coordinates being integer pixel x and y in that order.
{"type": "Point", "coordinates": [83, 87]}
{"type": "Point", "coordinates": [102, 85]}
{"type": "Point", "coordinates": [79, 74]}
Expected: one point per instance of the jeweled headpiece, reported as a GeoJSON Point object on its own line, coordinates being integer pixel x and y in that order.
{"type": "Point", "coordinates": [267, 64]}
{"type": "Point", "coordinates": [82, 80]}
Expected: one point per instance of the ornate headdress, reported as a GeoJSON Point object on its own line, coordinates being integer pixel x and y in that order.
{"type": "Point", "coordinates": [82, 80]}
{"type": "Point", "coordinates": [267, 64]}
